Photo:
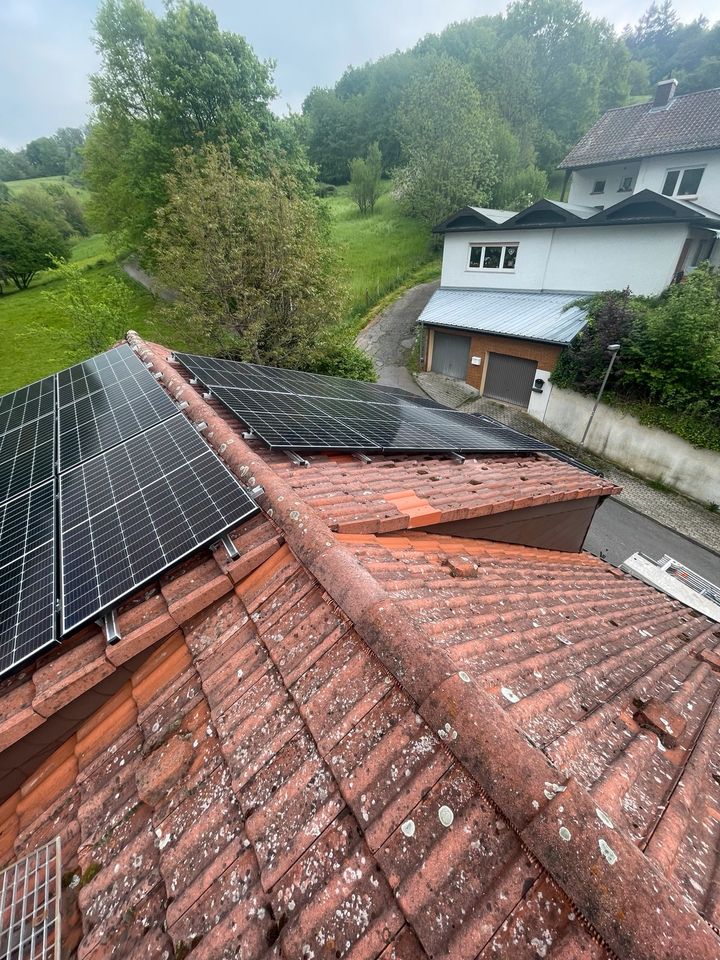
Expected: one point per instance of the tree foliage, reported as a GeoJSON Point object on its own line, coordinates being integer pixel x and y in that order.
{"type": "Point", "coordinates": [670, 351]}
{"type": "Point", "coordinates": [95, 313]}
{"type": "Point", "coordinates": [250, 260]}
{"type": "Point", "coordinates": [58, 155]}
{"type": "Point", "coordinates": [446, 136]}
{"type": "Point", "coordinates": [29, 242]}
{"type": "Point", "coordinates": [169, 82]}
{"type": "Point", "coordinates": [365, 175]}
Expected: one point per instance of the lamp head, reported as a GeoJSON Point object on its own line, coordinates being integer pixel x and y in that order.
{"type": "Point", "coordinates": [613, 347]}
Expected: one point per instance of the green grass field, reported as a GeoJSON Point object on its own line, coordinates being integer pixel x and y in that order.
{"type": "Point", "coordinates": [379, 252]}
{"type": "Point", "coordinates": [17, 186]}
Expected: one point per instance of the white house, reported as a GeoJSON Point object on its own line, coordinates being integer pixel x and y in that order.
{"type": "Point", "coordinates": [643, 210]}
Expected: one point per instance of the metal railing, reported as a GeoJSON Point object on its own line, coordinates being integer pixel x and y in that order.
{"type": "Point", "coordinates": [30, 906]}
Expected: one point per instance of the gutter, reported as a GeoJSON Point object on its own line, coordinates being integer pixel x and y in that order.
{"type": "Point", "coordinates": [622, 895]}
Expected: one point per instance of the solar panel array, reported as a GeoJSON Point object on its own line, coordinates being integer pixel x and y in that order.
{"type": "Point", "coordinates": [103, 485]}
{"type": "Point", "coordinates": [294, 410]}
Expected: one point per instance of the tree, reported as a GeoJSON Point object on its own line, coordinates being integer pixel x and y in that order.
{"type": "Point", "coordinates": [28, 243]}
{"type": "Point", "coordinates": [365, 178]}
{"type": "Point", "coordinates": [168, 82]}
{"type": "Point", "coordinates": [446, 135]}
{"type": "Point", "coordinates": [250, 259]}
{"type": "Point", "coordinates": [96, 312]}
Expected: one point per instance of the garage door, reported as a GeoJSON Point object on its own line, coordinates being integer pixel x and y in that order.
{"type": "Point", "coordinates": [509, 378]}
{"type": "Point", "coordinates": [450, 355]}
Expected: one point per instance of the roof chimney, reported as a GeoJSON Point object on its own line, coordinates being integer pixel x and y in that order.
{"type": "Point", "coordinates": [664, 92]}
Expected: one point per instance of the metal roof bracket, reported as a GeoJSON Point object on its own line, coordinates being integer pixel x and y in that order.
{"type": "Point", "coordinates": [230, 548]}
{"type": "Point", "coordinates": [457, 457]}
{"type": "Point", "coordinates": [108, 624]}
{"type": "Point", "coordinates": [296, 459]}
{"type": "Point", "coordinates": [362, 457]}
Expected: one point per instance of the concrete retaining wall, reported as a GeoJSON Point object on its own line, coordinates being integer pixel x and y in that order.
{"type": "Point", "coordinates": [647, 451]}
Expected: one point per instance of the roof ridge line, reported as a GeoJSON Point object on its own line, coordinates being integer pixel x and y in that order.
{"type": "Point", "coordinates": [636, 909]}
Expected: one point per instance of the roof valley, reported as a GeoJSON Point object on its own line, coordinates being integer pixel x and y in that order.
{"type": "Point", "coordinates": [622, 896]}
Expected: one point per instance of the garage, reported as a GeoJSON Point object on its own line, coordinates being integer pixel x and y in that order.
{"type": "Point", "coordinates": [450, 355]}
{"type": "Point", "coordinates": [509, 378]}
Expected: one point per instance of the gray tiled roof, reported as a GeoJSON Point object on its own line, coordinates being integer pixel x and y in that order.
{"type": "Point", "coordinates": [531, 316]}
{"type": "Point", "coordinates": [690, 122]}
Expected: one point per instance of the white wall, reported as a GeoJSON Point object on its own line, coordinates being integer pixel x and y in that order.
{"type": "Point", "coordinates": [528, 274]}
{"type": "Point", "coordinates": [539, 401]}
{"type": "Point", "coordinates": [573, 259]}
{"type": "Point", "coordinates": [643, 258]}
{"type": "Point", "coordinates": [651, 453]}
{"type": "Point", "coordinates": [653, 171]}
{"type": "Point", "coordinates": [582, 182]}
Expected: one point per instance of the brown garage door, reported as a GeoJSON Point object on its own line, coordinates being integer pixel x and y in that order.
{"type": "Point", "coordinates": [450, 355]}
{"type": "Point", "coordinates": [509, 378]}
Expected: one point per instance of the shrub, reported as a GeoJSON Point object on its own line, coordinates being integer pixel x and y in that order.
{"type": "Point", "coordinates": [340, 357]}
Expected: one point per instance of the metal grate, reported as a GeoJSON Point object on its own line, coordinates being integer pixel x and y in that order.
{"type": "Point", "coordinates": [691, 579]}
{"type": "Point", "coordinates": [30, 906]}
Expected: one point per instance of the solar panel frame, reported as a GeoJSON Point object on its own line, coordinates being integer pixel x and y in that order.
{"type": "Point", "coordinates": [28, 575]}
{"type": "Point", "coordinates": [123, 495]}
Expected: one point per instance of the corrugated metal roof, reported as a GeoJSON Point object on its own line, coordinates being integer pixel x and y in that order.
{"type": "Point", "coordinates": [532, 316]}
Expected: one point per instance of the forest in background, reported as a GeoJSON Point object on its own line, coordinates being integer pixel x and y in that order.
{"type": "Point", "coordinates": [542, 73]}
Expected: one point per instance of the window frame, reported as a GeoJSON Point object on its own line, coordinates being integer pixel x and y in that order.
{"type": "Point", "coordinates": [504, 245]}
{"type": "Point", "coordinates": [681, 171]}
{"type": "Point", "coordinates": [622, 189]}
{"type": "Point", "coordinates": [595, 192]}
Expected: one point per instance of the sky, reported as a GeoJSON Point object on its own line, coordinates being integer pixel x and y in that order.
{"type": "Point", "coordinates": [47, 52]}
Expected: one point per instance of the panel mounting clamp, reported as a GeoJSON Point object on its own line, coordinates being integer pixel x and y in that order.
{"type": "Point", "coordinates": [108, 624]}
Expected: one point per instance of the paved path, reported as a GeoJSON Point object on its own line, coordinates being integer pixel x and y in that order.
{"type": "Point", "coordinates": [133, 269]}
{"type": "Point", "coordinates": [646, 512]}
{"type": "Point", "coordinates": [389, 338]}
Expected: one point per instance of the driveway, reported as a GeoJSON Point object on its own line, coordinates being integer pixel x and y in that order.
{"type": "Point", "coordinates": [389, 338]}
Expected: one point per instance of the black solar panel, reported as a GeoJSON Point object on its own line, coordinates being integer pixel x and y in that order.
{"type": "Point", "coordinates": [131, 512]}
{"type": "Point", "coordinates": [294, 410]}
{"type": "Point", "coordinates": [27, 575]}
{"type": "Point", "coordinates": [27, 404]}
{"type": "Point", "coordinates": [111, 414]}
{"type": "Point", "coordinates": [27, 456]}
{"type": "Point", "coordinates": [100, 372]}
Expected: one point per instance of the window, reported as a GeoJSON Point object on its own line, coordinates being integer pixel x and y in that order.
{"type": "Point", "coordinates": [703, 250]}
{"type": "Point", "coordinates": [493, 257]}
{"type": "Point", "coordinates": [599, 186]}
{"type": "Point", "coordinates": [683, 183]}
{"type": "Point", "coordinates": [626, 185]}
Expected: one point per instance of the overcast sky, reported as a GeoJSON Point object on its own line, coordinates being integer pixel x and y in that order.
{"type": "Point", "coordinates": [47, 52]}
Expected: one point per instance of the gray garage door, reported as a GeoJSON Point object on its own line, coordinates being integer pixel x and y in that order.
{"type": "Point", "coordinates": [509, 378]}
{"type": "Point", "coordinates": [450, 355]}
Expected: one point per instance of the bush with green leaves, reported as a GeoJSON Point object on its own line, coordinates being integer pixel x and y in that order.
{"type": "Point", "coordinates": [96, 311]}
{"type": "Point", "coordinates": [365, 178]}
{"type": "Point", "coordinates": [340, 357]}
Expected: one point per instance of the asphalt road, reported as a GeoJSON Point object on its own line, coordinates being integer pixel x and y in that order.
{"type": "Point", "coordinates": [617, 532]}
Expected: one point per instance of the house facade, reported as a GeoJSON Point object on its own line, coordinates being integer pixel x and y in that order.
{"type": "Point", "coordinates": [643, 210]}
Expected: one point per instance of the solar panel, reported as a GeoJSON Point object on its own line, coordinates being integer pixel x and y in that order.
{"type": "Point", "coordinates": [27, 404]}
{"type": "Point", "coordinates": [100, 372]}
{"type": "Point", "coordinates": [133, 511]}
{"type": "Point", "coordinates": [295, 410]}
{"type": "Point", "coordinates": [27, 456]}
{"type": "Point", "coordinates": [107, 416]}
{"type": "Point", "coordinates": [27, 575]}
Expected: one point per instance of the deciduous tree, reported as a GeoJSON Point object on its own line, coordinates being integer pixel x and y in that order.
{"type": "Point", "coordinates": [365, 175]}
{"type": "Point", "coordinates": [28, 243]}
{"type": "Point", "coordinates": [250, 260]}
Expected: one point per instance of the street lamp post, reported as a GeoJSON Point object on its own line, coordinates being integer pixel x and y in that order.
{"type": "Point", "coordinates": [613, 350]}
